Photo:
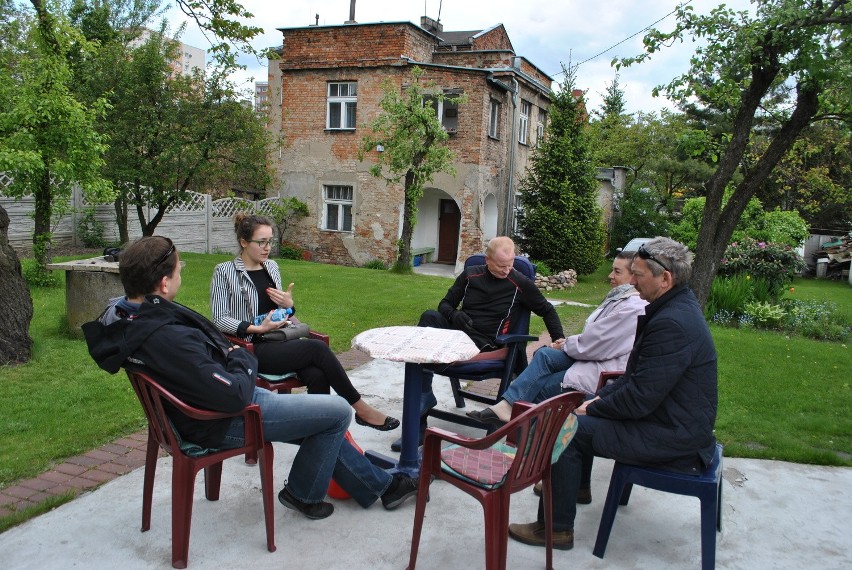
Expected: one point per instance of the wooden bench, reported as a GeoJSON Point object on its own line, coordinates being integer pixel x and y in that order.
{"type": "Point", "coordinates": [426, 252]}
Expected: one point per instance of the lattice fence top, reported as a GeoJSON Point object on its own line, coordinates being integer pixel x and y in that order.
{"type": "Point", "coordinates": [194, 202]}
{"type": "Point", "coordinates": [264, 206]}
{"type": "Point", "coordinates": [227, 207]}
{"type": "Point", "coordinates": [5, 180]}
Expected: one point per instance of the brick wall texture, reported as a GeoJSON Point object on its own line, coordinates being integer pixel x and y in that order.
{"type": "Point", "coordinates": [369, 54]}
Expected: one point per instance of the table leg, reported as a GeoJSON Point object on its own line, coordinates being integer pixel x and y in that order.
{"type": "Point", "coordinates": [409, 456]}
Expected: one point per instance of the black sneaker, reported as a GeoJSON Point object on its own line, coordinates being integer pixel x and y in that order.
{"type": "Point", "coordinates": [314, 511]}
{"type": "Point", "coordinates": [401, 489]}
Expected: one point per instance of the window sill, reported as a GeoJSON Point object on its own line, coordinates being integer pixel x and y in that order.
{"type": "Point", "coordinates": [340, 130]}
{"type": "Point", "coordinates": [493, 138]}
{"type": "Point", "coordinates": [329, 230]}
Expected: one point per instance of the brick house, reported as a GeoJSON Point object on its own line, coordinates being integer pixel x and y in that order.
{"type": "Point", "coordinates": [329, 86]}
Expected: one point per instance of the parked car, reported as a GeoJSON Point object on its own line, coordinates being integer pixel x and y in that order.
{"type": "Point", "coordinates": [634, 244]}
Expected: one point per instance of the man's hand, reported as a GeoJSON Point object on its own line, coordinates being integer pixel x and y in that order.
{"type": "Point", "coordinates": [581, 410]}
{"type": "Point", "coordinates": [461, 320]}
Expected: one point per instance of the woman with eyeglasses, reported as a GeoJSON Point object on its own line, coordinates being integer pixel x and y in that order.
{"type": "Point", "coordinates": [249, 286]}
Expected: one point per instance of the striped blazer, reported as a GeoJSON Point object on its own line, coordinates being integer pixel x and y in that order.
{"type": "Point", "coordinates": [231, 314]}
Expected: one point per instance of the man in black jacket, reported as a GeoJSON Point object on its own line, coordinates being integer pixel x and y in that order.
{"type": "Point", "coordinates": [147, 332]}
{"type": "Point", "coordinates": [484, 302]}
{"type": "Point", "coordinates": [661, 412]}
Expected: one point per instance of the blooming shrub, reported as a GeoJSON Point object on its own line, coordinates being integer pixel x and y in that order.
{"type": "Point", "coordinates": [773, 263]}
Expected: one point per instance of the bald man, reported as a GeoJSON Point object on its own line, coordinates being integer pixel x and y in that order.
{"type": "Point", "coordinates": [484, 303]}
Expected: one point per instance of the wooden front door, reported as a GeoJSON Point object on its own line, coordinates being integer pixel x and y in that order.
{"type": "Point", "coordinates": [448, 232]}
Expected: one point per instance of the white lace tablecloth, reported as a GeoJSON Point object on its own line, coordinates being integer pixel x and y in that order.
{"type": "Point", "coordinates": [421, 345]}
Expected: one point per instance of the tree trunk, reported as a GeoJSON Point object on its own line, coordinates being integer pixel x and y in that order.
{"type": "Point", "coordinates": [120, 205]}
{"type": "Point", "coordinates": [42, 215]}
{"type": "Point", "coordinates": [409, 214]}
{"type": "Point", "coordinates": [16, 305]}
{"type": "Point", "coordinates": [719, 224]}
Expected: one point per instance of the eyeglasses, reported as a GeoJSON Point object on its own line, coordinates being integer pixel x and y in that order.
{"type": "Point", "coordinates": [645, 254]}
{"type": "Point", "coordinates": [166, 255]}
{"type": "Point", "coordinates": [264, 243]}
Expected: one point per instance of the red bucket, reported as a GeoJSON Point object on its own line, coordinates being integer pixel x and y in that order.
{"type": "Point", "coordinates": [335, 491]}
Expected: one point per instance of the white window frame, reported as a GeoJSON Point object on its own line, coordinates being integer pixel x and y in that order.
{"type": "Point", "coordinates": [524, 121]}
{"type": "Point", "coordinates": [446, 111]}
{"type": "Point", "coordinates": [539, 130]}
{"type": "Point", "coordinates": [494, 119]}
{"type": "Point", "coordinates": [337, 197]}
{"type": "Point", "coordinates": [344, 96]}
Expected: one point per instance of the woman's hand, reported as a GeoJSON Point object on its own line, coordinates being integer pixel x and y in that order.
{"type": "Point", "coordinates": [558, 343]}
{"type": "Point", "coordinates": [281, 298]}
{"type": "Point", "coordinates": [267, 325]}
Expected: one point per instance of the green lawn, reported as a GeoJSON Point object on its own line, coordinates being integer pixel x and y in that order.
{"type": "Point", "coordinates": [784, 398]}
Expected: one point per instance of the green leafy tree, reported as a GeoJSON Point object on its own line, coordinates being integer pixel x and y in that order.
{"type": "Point", "coordinates": [778, 226]}
{"type": "Point", "coordinates": [415, 149]}
{"type": "Point", "coordinates": [781, 70]}
{"type": "Point", "coordinates": [638, 214]}
{"type": "Point", "coordinates": [815, 176]}
{"type": "Point", "coordinates": [48, 134]}
{"type": "Point", "coordinates": [284, 212]}
{"type": "Point", "coordinates": [559, 221]}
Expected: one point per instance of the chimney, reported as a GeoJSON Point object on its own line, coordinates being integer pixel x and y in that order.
{"type": "Point", "coordinates": [430, 25]}
{"type": "Point", "coordinates": [351, 19]}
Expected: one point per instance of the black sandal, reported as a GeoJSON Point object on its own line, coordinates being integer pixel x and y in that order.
{"type": "Point", "coordinates": [389, 424]}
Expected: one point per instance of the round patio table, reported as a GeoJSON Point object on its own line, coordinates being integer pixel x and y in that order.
{"type": "Point", "coordinates": [415, 346]}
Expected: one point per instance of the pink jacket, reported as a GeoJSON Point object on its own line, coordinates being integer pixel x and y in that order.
{"type": "Point", "coordinates": [605, 342]}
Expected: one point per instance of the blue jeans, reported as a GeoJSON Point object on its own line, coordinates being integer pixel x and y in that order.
{"type": "Point", "coordinates": [317, 424]}
{"type": "Point", "coordinates": [542, 379]}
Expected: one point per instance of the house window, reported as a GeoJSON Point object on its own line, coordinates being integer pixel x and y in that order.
{"type": "Point", "coordinates": [446, 111]}
{"type": "Point", "coordinates": [539, 129]}
{"type": "Point", "coordinates": [494, 120]}
{"type": "Point", "coordinates": [337, 211]}
{"type": "Point", "coordinates": [524, 122]}
{"type": "Point", "coordinates": [342, 102]}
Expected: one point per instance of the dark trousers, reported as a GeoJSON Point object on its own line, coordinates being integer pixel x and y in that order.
{"type": "Point", "coordinates": [312, 360]}
{"type": "Point", "coordinates": [567, 475]}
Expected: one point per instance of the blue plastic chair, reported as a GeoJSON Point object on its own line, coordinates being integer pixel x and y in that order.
{"type": "Point", "coordinates": [506, 365]}
{"type": "Point", "coordinates": [707, 487]}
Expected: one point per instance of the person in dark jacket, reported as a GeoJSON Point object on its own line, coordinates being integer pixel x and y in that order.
{"type": "Point", "coordinates": [483, 302]}
{"type": "Point", "coordinates": [661, 412]}
{"type": "Point", "coordinates": [147, 332]}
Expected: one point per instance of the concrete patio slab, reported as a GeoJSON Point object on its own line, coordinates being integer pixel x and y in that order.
{"type": "Point", "coordinates": [775, 515]}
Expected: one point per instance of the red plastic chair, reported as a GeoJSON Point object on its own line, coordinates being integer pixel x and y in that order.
{"type": "Point", "coordinates": [188, 459]}
{"type": "Point", "coordinates": [606, 376]}
{"type": "Point", "coordinates": [492, 468]}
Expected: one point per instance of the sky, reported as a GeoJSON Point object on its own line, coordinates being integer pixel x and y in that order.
{"type": "Point", "coordinates": [548, 33]}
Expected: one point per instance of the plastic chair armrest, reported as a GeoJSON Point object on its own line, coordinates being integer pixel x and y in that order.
{"type": "Point", "coordinates": [319, 336]}
{"type": "Point", "coordinates": [512, 338]}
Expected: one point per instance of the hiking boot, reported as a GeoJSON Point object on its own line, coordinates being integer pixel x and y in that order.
{"type": "Point", "coordinates": [401, 489]}
{"type": "Point", "coordinates": [584, 496]}
{"type": "Point", "coordinates": [533, 534]}
{"type": "Point", "coordinates": [314, 511]}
